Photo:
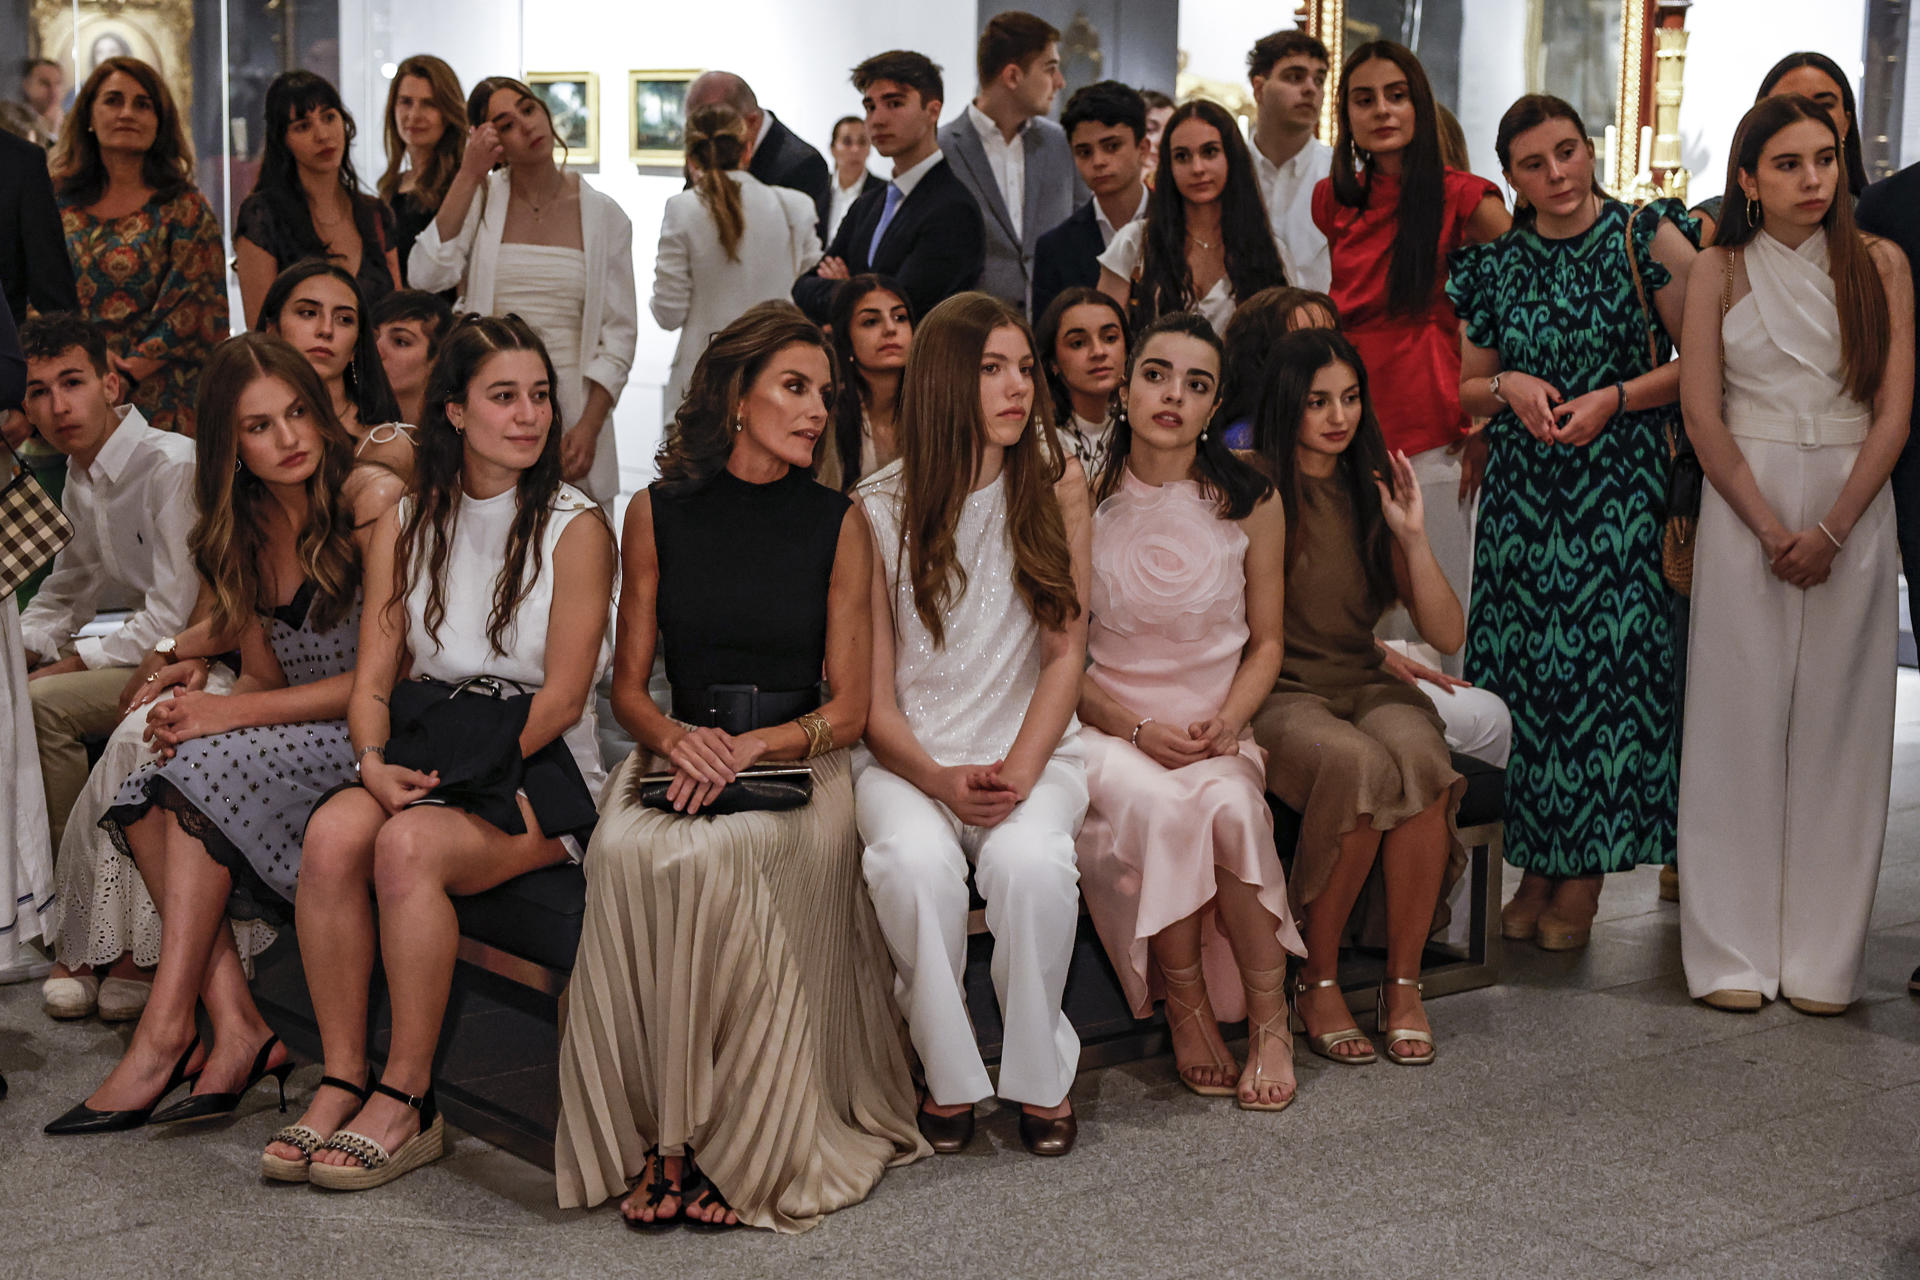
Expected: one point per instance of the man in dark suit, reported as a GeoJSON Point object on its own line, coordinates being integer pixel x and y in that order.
{"type": "Point", "coordinates": [1891, 208]}
{"type": "Point", "coordinates": [1010, 156]}
{"type": "Point", "coordinates": [1106, 125]}
{"type": "Point", "coordinates": [780, 157]}
{"type": "Point", "coordinates": [922, 228]}
{"type": "Point", "coordinates": [33, 251]}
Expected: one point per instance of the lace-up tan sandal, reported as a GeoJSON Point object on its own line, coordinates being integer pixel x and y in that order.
{"type": "Point", "coordinates": [1265, 1029]}
{"type": "Point", "coordinates": [1394, 1035]}
{"type": "Point", "coordinates": [1324, 1045]}
{"type": "Point", "coordinates": [302, 1138]}
{"type": "Point", "coordinates": [1187, 979]}
{"type": "Point", "coordinates": [378, 1166]}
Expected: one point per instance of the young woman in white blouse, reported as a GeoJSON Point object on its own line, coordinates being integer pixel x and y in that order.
{"type": "Point", "coordinates": [519, 234]}
{"type": "Point", "coordinates": [726, 242]}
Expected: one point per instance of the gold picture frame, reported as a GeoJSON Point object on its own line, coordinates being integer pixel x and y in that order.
{"type": "Point", "coordinates": [657, 116]}
{"type": "Point", "coordinates": [158, 32]}
{"type": "Point", "coordinates": [572, 98]}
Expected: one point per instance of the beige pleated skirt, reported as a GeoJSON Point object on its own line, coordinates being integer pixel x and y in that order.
{"type": "Point", "coordinates": [732, 998]}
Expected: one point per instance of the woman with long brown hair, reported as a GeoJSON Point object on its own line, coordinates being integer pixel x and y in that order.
{"type": "Point", "coordinates": [871, 328]}
{"type": "Point", "coordinates": [972, 752]}
{"type": "Point", "coordinates": [732, 1042]}
{"type": "Point", "coordinates": [489, 586]}
{"type": "Point", "coordinates": [215, 823]}
{"type": "Point", "coordinates": [1797, 380]}
{"type": "Point", "coordinates": [143, 241]}
{"type": "Point", "coordinates": [425, 128]}
{"type": "Point", "coordinates": [519, 235]}
{"type": "Point", "coordinates": [727, 242]}
{"type": "Point", "coordinates": [1392, 211]}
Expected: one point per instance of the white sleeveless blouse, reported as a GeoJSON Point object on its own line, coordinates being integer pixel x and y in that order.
{"type": "Point", "coordinates": [965, 699]}
{"type": "Point", "coordinates": [479, 548]}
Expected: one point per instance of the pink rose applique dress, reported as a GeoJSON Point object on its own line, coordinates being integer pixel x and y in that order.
{"type": "Point", "coordinates": [1168, 625]}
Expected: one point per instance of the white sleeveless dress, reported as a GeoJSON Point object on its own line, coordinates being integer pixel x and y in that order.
{"type": "Point", "coordinates": [1788, 746]}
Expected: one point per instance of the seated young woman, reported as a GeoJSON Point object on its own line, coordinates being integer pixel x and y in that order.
{"type": "Point", "coordinates": [730, 1001]}
{"type": "Point", "coordinates": [1177, 859]}
{"type": "Point", "coordinates": [319, 309]}
{"type": "Point", "coordinates": [1083, 350]}
{"type": "Point", "coordinates": [494, 579]}
{"type": "Point", "coordinates": [871, 325]}
{"type": "Point", "coordinates": [972, 750]}
{"type": "Point", "coordinates": [1359, 753]}
{"type": "Point", "coordinates": [214, 824]}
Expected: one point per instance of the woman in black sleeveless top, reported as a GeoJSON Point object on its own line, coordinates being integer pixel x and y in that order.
{"type": "Point", "coordinates": [732, 1042]}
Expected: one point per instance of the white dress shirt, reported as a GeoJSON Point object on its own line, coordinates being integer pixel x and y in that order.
{"type": "Point", "coordinates": [1288, 190]}
{"type": "Point", "coordinates": [911, 178]}
{"type": "Point", "coordinates": [132, 511]}
{"type": "Point", "coordinates": [1008, 160]}
{"type": "Point", "coordinates": [1105, 223]}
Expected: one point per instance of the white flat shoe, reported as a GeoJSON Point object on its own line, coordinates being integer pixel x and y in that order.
{"type": "Point", "coordinates": [123, 999]}
{"type": "Point", "coordinates": [67, 998]}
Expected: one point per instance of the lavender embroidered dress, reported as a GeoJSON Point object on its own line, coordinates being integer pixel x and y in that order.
{"type": "Point", "coordinates": [246, 794]}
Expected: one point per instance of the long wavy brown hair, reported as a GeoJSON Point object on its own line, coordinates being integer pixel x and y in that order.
{"type": "Point", "coordinates": [78, 169]}
{"type": "Point", "coordinates": [700, 438]}
{"type": "Point", "coordinates": [941, 434]}
{"type": "Point", "coordinates": [229, 540]}
{"type": "Point", "coordinates": [437, 176]}
{"type": "Point", "coordinates": [1858, 295]}
{"type": "Point", "coordinates": [426, 538]}
{"type": "Point", "coordinates": [716, 141]}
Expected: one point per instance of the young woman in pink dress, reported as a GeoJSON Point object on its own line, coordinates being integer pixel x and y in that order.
{"type": "Point", "coordinates": [1177, 860]}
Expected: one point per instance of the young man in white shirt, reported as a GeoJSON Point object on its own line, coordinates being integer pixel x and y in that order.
{"type": "Point", "coordinates": [1288, 71]}
{"type": "Point", "coordinates": [1106, 126]}
{"type": "Point", "coordinates": [130, 496]}
{"type": "Point", "coordinates": [1006, 152]}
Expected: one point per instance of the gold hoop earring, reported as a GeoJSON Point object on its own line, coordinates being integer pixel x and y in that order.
{"type": "Point", "coordinates": [1754, 211]}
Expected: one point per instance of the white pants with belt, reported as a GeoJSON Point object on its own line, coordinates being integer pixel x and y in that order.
{"type": "Point", "coordinates": [916, 869]}
{"type": "Point", "coordinates": [1788, 746]}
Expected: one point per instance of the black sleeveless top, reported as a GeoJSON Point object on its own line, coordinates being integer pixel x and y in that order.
{"type": "Point", "coordinates": [744, 571]}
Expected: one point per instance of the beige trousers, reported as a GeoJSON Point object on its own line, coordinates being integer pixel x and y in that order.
{"type": "Point", "coordinates": [67, 710]}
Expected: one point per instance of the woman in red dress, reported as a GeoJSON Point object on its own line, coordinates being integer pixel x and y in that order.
{"type": "Point", "coordinates": [1392, 212]}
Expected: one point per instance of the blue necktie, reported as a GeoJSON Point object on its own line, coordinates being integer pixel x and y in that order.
{"type": "Point", "coordinates": [894, 197]}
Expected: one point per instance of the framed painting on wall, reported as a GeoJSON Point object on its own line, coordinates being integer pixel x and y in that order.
{"type": "Point", "coordinates": [573, 100]}
{"type": "Point", "coordinates": [158, 32]}
{"type": "Point", "coordinates": [657, 116]}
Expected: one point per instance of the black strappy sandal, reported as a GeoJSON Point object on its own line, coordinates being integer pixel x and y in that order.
{"type": "Point", "coordinates": [696, 1186]}
{"type": "Point", "coordinates": [658, 1188]}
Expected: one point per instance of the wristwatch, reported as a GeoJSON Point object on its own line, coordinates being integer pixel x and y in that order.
{"type": "Point", "coordinates": [167, 646]}
{"type": "Point", "coordinates": [1493, 386]}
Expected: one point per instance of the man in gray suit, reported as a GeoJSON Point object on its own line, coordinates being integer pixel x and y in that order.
{"type": "Point", "coordinates": [1014, 160]}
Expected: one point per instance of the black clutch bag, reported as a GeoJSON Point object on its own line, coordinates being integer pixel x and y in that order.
{"type": "Point", "coordinates": [768, 788]}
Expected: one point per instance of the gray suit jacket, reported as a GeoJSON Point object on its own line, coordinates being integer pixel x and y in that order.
{"type": "Point", "coordinates": [1053, 188]}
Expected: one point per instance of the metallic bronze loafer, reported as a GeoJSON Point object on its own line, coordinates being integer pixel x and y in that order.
{"type": "Point", "coordinates": [947, 1134]}
{"type": "Point", "coordinates": [1044, 1137]}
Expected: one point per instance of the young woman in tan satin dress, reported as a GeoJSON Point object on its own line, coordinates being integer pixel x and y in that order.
{"type": "Point", "coordinates": [1358, 752]}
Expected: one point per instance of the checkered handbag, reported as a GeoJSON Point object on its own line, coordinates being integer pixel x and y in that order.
{"type": "Point", "coordinates": [33, 528]}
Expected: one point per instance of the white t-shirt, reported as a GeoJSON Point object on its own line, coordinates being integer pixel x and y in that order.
{"type": "Point", "coordinates": [1124, 254]}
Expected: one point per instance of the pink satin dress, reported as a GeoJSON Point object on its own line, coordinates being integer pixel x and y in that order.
{"type": "Point", "coordinates": [1168, 626]}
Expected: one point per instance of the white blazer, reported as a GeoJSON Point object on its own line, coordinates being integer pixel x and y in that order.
{"type": "Point", "coordinates": [698, 290]}
{"type": "Point", "coordinates": [610, 322]}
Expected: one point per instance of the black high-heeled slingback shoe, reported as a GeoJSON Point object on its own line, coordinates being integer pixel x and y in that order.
{"type": "Point", "coordinates": [84, 1119]}
{"type": "Point", "coordinates": [202, 1106]}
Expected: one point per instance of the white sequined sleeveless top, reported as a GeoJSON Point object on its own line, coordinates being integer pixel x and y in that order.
{"type": "Point", "coordinates": [964, 699]}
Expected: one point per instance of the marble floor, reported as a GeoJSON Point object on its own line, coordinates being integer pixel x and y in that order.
{"type": "Point", "coordinates": [1583, 1119]}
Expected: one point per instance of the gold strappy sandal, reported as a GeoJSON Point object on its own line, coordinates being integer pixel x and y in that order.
{"type": "Point", "coordinates": [1393, 1035]}
{"type": "Point", "coordinates": [1187, 979]}
{"type": "Point", "coordinates": [1256, 1031]}
{"type": "Point", "coordinates": [1324, 1045]}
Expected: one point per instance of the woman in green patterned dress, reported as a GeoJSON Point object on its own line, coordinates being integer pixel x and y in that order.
{"type": "Point", "coordinates": [145, 246]}
{"type": "Point", "coordinates": [1571, 622]}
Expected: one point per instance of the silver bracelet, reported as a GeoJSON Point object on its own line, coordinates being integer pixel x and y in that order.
{"type": "Point", "coordinates": [1821, 525]}
{"type": "Point", "coordinates": [1135, 739]}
